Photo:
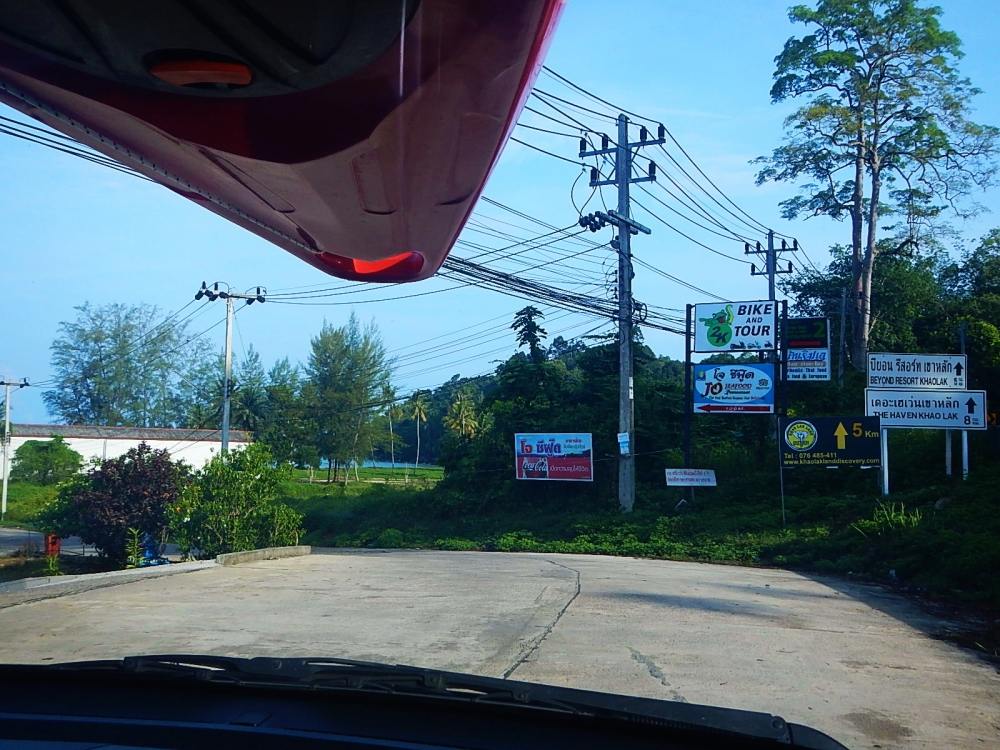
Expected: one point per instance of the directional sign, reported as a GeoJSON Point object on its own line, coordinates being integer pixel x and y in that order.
{"type": "Point", "coordinates": [933, 410]}
{"type": "Point", "coordinates": [691, 478]}
{"type": "Point", "coordinates": [728, 389]}
{"type": "Point", "coordinates": [830, 441]}
{"type": "Point", "coordinates": [742, 326]}
{"type": "Point", "coordinates": [807, 333]}
{"type": "Point", "coordinates": [912, 371]}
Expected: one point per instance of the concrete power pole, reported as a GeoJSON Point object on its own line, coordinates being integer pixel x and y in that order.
{"type": "Point", "coordinates": [7, 385]}
{"type": "Point", "coordinates": [621, 220]}
{"type": "Point", "coordinates": [213, 293]}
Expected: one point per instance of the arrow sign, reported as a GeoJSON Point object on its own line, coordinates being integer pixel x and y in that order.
{"type": "Point", "coordinates": [959, 369]}
{"type": "Point", "coordinates": [841, 434]}
{"type": "Point", "coordinates": [971, 405]}
{"type": "Point", "coordinates": [734, 407]}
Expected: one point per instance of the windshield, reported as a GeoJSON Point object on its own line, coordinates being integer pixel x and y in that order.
{"type": "Point", "coordinates": [656, 360]}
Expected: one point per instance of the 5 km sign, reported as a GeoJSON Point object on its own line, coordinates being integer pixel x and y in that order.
{"type": "Point", "coordinates": [729, 326]}
{"type": "Point", "coordinates": [923, 371]}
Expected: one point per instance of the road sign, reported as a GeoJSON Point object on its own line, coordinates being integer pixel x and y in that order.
{"type": "Point", "coordinates": [807, 333]}
{"type": "Point", "coordinates": [807, 364]}
{"type": "Point", "coordinates": [917, 371]}
{"type": "Point", "coordinates": [736, 326]}
{"type": "Point", "coordinates": [691, 478]}
{"type": "Point", "coordinates": [563, 456]}
{"type": "Point", "coordinates": [728, 389]}
{"type": "Point", "coordinates": [934, 410]}
{"type": "Point", "coordinates": [830, 441]}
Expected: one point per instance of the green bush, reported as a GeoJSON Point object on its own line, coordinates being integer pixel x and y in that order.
{"type": "Point", "coordinates": [45, 462]}
{"type": "Point", "coordinates": [134, 490]}
{"type": "Point", "coordinates": [230, 507]}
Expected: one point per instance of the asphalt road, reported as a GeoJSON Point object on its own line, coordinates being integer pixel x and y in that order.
{"type": "Point", "coordinates": [854, 661]}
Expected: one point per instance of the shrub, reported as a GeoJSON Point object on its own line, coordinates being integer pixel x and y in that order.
{"type": "Point", "coordinates": [133, 490]}
{"type": "Point", "coordinates": [45, 462]}
{"type": "Point", "coordinates": [231, 506]}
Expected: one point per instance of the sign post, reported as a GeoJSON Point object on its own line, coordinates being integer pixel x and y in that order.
{"type": "Point", "coordinates": [884, 443]}
{"type": "Point", "coordinates": [918, 371]}
{"type": "Point", "coordinates": [927, 409]}
{"type": "Point", "coordinates": [736, 326]}
{"type": "Point", "coordinates": [807, 349]}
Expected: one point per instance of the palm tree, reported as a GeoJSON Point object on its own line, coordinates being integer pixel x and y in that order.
{"type": "Point", "coordinates": [461, 418]}
{"type": "Point", "coordinates": [418, 410]}
{"type": "Point", "coordinates": [389, 397]}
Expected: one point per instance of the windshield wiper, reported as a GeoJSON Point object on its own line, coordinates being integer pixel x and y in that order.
{"type": "Point", "coordinates": [349, 675]}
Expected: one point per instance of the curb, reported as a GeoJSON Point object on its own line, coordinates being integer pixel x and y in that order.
{"type": "Point", "coordinates": [268, 553]}
{"type": "Point", "coordinates": [32, 589]}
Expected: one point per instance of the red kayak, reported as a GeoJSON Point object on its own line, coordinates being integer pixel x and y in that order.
{"type": "Point", "coordinates": [356, 134]}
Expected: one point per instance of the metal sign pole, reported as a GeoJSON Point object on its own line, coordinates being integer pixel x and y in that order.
{"type": "Point", "coordinates": [965, 454]}
{"type": "Point", "coordinates": [780, 364]}
{"type": "Point", "coordinates": [884, 447]}
{"type": "Point", "coordinates": [688, 396]}
{"type": "Point", "coordinates": [947, 453]}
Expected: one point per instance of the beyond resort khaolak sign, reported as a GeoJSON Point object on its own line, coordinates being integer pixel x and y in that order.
{"type": "Point", "coordinates": [736, 326]}
{"type": "Point", "coordinates": [564, 456]}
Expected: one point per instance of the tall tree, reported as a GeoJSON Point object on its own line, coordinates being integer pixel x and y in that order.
{"type": "Point", "coordinates": [418, 411]}
{"type": "Point", "coordinates": [117, 364]}
{"type": "Point", "coordinates": [347, 370]}
{"type": "Point", "coordinates": [461, 418]}
{"type": "Point", "coordinates": [530, 332]}
{"type": "Point", "coordinates": [883, 132]}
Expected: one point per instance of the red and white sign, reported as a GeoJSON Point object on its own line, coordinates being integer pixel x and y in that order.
{"type": "Point", "coordinates": [560, 456]}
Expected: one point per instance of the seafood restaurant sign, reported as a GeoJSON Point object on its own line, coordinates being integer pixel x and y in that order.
{"type": "Point", "coordinates": [736, 326]}
{"type": "Point", "coordinates": [563, 456]}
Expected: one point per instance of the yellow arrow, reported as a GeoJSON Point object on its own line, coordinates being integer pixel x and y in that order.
{"type": "Point", "coordinates": [841, 433]}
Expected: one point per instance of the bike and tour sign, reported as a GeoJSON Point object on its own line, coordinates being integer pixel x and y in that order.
{"type": "Point", "coordinates": [736, 326]}
{"type": "Point", "coordinates": [561, 456]}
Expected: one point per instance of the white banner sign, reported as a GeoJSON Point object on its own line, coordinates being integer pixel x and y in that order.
{"type": "Point", "coordinates": [955, 410]}
{"type": "Point", "coordinates": [691, 478]}
{"type": "Point", "coordinates": [923, 371]}
{"type": "Point", "coordinates": [808, 364]}
{"type": "Point", "coordinates": [736, 326]}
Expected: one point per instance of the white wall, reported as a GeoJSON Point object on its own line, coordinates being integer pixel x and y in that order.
{"type": "Point", "coordinates": [195, 454]}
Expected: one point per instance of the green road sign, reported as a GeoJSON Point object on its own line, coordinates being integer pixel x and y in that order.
{"type": "Point", "coordinates": [830, 441]}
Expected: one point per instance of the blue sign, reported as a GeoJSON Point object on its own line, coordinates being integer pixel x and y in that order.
{"type": "Point", "coordinates": [732, 389]}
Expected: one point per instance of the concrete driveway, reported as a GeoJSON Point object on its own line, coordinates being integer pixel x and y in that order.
{"type": "Point", "coordinates": [851, 660]}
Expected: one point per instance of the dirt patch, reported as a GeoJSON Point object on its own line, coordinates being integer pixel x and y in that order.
{"type": "Point", "coordinates": [878, 726]}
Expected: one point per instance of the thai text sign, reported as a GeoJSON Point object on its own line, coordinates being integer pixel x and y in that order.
{"type": "Point", "coordinates": [924, 371]}
{"type": "Point", "coordinates": [565, 456]}
{"type": "Point", "coordinates": [957, 410]}
{"type": "Point", "coordinates": [691, 478]}
{"type": "Point", "coordinates": [729, 326]}
{"type": "Point", "coordinates": [807, 364]}
{"type": "Point", "coordinates": [723, 389]}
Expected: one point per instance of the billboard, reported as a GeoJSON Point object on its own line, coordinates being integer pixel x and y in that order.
{"type": "Point", "coordinates": [927, 409]}
{"type": "Point", "coordinates": [560, 456]}
{"type": "Point", "coordinates": [830, 441]}
{"type": "Point", "coordinates": [807, 364]}
{"type": "Point", "coordinates": [807, 333]}
{"type": "Point", "coordinates": [732, 389]}
{"type": "Point", "coordinates": [736, 326]}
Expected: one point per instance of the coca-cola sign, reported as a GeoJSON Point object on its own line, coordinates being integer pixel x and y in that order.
{"type": "Point", "coordinates": [562, 456]}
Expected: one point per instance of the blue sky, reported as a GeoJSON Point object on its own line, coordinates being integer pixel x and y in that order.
{"type": "Point", "coordinates": [75, 232]}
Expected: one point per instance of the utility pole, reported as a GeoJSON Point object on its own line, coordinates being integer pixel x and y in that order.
{"type": "Point", "coordinates": [213, 293]}
{"type": "Point", "coordinates": [7, 385]}
{"type": "Point", "coordinates": [770, 254]}
{"type": "Point", "coordinates": [622, 221]}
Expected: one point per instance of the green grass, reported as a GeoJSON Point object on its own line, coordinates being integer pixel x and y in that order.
{"type": "Point", "coordinates": [402, 474]}
{"type": "Point", "coordinates": [24, 501]}
{"type": "Point", "coordinates": [18, 567]}
{"type": "Point", "coordinates": [952, 552]}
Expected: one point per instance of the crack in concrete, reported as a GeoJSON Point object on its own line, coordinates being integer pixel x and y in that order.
{"type": "Point", "coordinates": [656, 673]}
{"type": "Point", "coordinates": [533, 645]}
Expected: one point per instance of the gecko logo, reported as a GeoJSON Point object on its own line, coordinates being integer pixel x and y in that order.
{"type": "Point", "coordinates": [720, 326]}
{"type": "Point", "coordinates": [801, 435]}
